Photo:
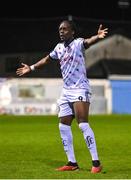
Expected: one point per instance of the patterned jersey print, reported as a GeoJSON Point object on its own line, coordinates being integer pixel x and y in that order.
{"type": "Point", "coordinates": [72, 63]}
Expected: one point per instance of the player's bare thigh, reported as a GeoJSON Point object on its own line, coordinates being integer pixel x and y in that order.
{"type": "Point", "coordinates": [81, 110]}
{"type": "Point", "coordinates": [67, 120]}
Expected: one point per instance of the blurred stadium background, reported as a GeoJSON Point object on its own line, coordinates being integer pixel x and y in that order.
{"type": "Point", "coordinates": [29, 36]}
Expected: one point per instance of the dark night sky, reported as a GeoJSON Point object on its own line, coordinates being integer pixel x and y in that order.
{"type": "Point", "coordinates": [102, 9]}
{"type": "Point", "coordinates": [19, 33]}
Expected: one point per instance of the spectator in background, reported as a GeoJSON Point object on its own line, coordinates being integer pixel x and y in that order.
{"type": "Point", "coordinates": [75, 97]}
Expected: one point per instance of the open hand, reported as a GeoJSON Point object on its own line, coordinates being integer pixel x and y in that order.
{"type": "Point", "coordinates": [23, 70]}
{"type": "Point", "coordinates": [102, 32]}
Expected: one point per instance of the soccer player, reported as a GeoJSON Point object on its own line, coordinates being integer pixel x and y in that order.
{"type": "Point", "coordinates": [74, 101]}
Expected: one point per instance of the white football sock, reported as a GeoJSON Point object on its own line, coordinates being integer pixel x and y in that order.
{"type": "Point", "coordinates": [90, 139]}
{"type": "Point", "coordinates": [67, 140]}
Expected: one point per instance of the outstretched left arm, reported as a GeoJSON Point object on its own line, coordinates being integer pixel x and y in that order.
{"type": "Point", "coordinates": [101, 33]}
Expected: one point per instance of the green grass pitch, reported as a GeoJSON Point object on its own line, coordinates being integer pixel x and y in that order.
{"type": "Point", "coordinates": [31, 148]}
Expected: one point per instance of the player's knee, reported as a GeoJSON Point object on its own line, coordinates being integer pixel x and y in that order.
{"type": "Point", "coordinates": [81, 119]}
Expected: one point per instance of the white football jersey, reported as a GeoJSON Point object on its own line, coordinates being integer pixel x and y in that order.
{"type": "Point", "coordinates": [72, 63]}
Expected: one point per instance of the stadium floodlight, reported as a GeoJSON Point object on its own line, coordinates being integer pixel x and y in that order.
{"type": "Point", "coordinates": [70, 18]}
{"type": "Point", "coordinates": [123, 4]}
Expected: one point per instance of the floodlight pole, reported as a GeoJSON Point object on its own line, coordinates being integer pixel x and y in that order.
{"type": "Point", "coordinates": [123, 5]}
{"type": "Point", "coordinates": [70, 18]}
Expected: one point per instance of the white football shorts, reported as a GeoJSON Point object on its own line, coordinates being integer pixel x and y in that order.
{"type": "Point", "coordinates": [68, 97]}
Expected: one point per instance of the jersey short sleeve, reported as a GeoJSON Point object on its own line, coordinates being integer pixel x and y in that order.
{"type": "Point", "coordinates": [54, 53]}
{"type": "Point", "coordinates": [82, 44]}
{"type": "Point", "coordinates": [79, 42]}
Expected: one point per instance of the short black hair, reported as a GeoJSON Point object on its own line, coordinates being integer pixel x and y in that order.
{"type": "Point", "coordinates": [71, 23]}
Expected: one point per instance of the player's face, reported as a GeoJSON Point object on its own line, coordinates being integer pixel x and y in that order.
{"type": "Point", "coordinates": [65, 31]}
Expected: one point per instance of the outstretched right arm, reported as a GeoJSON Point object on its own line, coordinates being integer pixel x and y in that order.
{"type": "Point", "coordinates": [26, 68]}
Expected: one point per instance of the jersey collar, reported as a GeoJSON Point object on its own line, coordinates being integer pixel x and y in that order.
{"type": "Point", "coordinates": [66, 43]}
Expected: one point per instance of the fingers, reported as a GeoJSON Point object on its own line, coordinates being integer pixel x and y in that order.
{"type": "Point", "coordinates": [100, 27]}
{"type": "Point", "coordinates": [102, 32]}
{"type": "Point", "coordinates": [19, 72]}
{"type": "Point", "coordinates": [22, 70]}
{"type": "Point", "coordinates": [105, 32]}
{"type": "Point", "coordinates": [23, 64]}
{"type": "Point", "coordinates": [106, 29]}
{"type": "Point", "coordinates": [103, 35]}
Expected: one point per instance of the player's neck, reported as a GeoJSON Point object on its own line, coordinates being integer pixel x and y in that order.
{"type": "Point", "coordinates": [67, 42]}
